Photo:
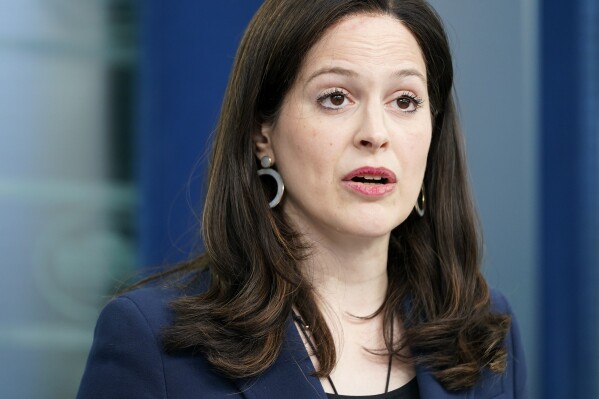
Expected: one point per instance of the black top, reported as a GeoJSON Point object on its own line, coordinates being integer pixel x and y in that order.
{"type": "Point", "coordinates": [408, 391]}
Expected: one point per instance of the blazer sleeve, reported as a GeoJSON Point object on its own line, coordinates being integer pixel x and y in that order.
{"type": "Point", "coordinates": [125, 360]}
{"type": "Point", "coordinates": [517, 372]}
{"type": "Point", "coordinates": [520, 371]}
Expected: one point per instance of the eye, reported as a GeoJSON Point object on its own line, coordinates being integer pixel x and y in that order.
{"type": "Point", "coordinates": [408, 102]}
{"type": "Point", "coordinates": [336, 99]}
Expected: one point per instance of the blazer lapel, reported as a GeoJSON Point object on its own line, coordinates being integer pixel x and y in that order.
{"type": "Point", "coordinates": [430, 388]}
{"type": "Point", "coordinates": [290, 376]}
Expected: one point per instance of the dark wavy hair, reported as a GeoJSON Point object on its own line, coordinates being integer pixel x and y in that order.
{"type": "Point", "coordinates": [254, 253]}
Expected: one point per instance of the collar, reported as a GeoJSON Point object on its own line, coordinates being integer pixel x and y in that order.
{"type": "Point", "coordinates": [292, 375]}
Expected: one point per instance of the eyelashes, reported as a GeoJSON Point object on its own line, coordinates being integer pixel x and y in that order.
{"type": "Point", "coordinates": [336, 99]}
{"type": "Point", "coordinates": [408, 102]}
{"type": "Point", "coordinates": [333, 99]}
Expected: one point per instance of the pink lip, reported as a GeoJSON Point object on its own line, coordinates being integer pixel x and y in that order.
{"type": "Point", "coordinates": [371, 189]}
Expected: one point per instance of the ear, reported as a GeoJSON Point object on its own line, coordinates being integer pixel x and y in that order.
{"type": "Point", "coordinates": [263, 142]}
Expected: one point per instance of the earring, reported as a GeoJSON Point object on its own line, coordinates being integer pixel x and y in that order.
{"type": "Point", "coordinates": [266, 163]}
{"type": "Point", "coordinates": [420, 208]}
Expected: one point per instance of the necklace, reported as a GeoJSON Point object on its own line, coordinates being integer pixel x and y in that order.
{"type": "Point", "coordinates": [303, 327]}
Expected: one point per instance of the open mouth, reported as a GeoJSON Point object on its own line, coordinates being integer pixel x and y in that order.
{"type": "Point", "coordinates": [370, 179]}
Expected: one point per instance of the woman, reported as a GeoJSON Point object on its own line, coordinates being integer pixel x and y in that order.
{"type": "Point", "coordinates": [361, 277]}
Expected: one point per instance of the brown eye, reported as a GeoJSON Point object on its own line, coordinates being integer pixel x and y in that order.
{"type": "Point", "coordinates": [408, 102]}
{"type": "Point", "coordinates": [334, 100]}
{"type": "Point", "coordinates": [337, 99]}
{"type": "Point", "coordinates": [404, 103]}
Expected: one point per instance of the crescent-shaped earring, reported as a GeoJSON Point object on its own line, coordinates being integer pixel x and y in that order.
{"type": "Point", "coordinates": [266, 163]}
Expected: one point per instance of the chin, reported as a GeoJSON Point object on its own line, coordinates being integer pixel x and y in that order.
{"type": "Point", "coordinates": [373, 228]}
{"type": "Point", "coordinates": [346, 220]}
{"type": "Point", "coordinates": [373, 224]}
{"type": "Point", "coordinates": [375, 232]}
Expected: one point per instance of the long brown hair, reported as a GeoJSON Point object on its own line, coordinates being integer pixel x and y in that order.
{"type": "Point", "coordinates": [253, 252]}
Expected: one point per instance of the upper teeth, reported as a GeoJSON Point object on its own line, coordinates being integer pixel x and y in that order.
{"type": "Point", "coordinates": [369, 177]}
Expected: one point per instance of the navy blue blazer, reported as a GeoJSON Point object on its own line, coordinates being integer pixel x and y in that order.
{"type": "Point", "coordinates": [127, 361]}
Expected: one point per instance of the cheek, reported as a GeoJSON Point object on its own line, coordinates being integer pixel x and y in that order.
{"type": "Point", "coordinates": [303, 155]}
{"type": "Point", "coordinates": [414, 149]}
{"type": "Point", "coordinates": [298, 144]}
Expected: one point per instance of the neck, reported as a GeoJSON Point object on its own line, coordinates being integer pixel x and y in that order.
{"type": "Point", "coordinates": [350, 275]}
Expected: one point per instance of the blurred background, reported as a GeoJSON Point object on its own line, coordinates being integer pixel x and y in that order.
{"type": "Point", "coordinates": [106, 110]}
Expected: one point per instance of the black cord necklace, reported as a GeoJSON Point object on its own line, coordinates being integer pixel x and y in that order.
{"type": "Point", "coordinates": [303, 327]}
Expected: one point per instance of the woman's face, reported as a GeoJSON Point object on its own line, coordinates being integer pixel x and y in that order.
{"type": "Point", "coordinates": [352, 136]}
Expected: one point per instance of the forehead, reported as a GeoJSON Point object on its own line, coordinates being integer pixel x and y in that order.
{"type": "Point", "coordinates": [366, 40]}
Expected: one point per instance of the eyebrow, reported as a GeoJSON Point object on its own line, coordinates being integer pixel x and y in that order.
{"type": "Point", "coordinates": [335, 70]}
{"type": "Point", "coordinates": [352, 74]}
{"type": "Point", "coordinates": [411, 72]}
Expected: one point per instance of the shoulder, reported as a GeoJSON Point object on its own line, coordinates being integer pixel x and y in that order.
{"type": "Point", "coordinates": [127, 346]}
{"type": "Point", "coordinates": [159, 293]}
{"type": "Point", "coordinates": [152, 301]}
{"type": "Point", "coordinates": [516, 372]}
{"type": "Point", "coordinates": [499, 303]}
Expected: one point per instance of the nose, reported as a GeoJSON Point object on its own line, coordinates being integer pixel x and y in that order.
{"type": "Point", "coordinates": [372, 134]}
